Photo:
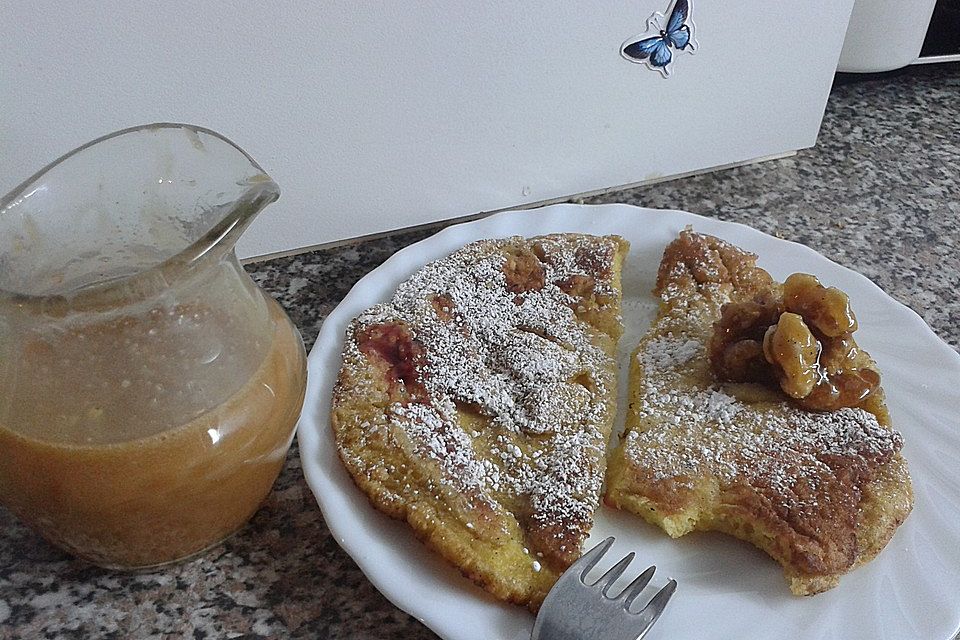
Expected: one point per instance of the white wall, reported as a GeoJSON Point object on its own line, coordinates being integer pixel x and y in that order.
{"type": "Point", "coordinates": [378, 115]}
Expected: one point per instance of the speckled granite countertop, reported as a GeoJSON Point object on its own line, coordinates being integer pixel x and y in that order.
{"type": "Point", "coordinates": [880, 193]}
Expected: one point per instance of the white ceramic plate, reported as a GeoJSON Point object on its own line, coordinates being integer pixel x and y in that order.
{"type": "Point", "coordinates": [727, 588]}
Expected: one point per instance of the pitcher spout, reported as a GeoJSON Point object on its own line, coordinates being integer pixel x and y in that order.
{"type": "Point", "coordinates": [131, 209]}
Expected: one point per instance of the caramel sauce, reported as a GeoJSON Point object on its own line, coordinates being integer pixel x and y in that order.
{"type": "Point", "coordinates": [801, 341]}
{"type": "Point", "coordinates": [150, 500]}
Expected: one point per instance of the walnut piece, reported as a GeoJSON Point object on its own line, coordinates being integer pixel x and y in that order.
{"type": "Point", "coordinates": [795, 351]}
{"type": "Point", "coordinates": [826, 309]}
{"type": "Point", "coordinates": [736, 348]}
{"type": "Point", "coordinates": [802, 342]}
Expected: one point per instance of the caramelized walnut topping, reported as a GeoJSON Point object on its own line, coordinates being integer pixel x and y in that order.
{"type": "Point", "coordinates": [802, 342]}
{"type": "Point", "coordinates": [827, 309]}
{"type": "Point", "coordinates": [736, 349]}
{"type": "Point", "coordinates": [845, 389]}
{"type": "Point", "coordinates": [795, 353]}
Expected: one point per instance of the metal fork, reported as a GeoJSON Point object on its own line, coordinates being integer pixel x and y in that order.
{"type": "Point", "coordinates": [574, 610]}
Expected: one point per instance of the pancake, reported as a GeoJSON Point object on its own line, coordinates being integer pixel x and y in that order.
{"type": "Point", "coordinates": [477, 404]}
{"type": "Point", "coordinates": [819, 491]}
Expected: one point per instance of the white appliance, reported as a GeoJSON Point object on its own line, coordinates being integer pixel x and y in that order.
{"type": "Point", "coordinates": [885, 34]}
{"type": "Point", "coordinates": [378, 115]}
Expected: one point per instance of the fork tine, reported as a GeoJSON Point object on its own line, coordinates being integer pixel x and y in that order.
{"type": "Point", "coordinates": [614, 572]}
{"type": "Point", "coordinates": [637, 586]}
{"type": "Point", "coordinates": [575, 609]}
{"type": "Point", "coordinates": [589, 560]}
{"type": "Point", "coordinates": [656, 606]}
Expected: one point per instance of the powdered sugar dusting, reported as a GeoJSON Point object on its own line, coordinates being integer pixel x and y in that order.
{"type": "Point", "coordinates": [698, 430]}
{"type": "Point", "coordinates": [668, 353]}
{"type": "Point", "coordinates": [430, 434]}
{"type": "Point", "coordinates": [523, 361]}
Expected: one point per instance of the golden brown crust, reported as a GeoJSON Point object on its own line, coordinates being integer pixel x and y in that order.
{"type": "Point", "coordinates": [477, 404]}
{"type": "Point", "coordinates": [820, 492]}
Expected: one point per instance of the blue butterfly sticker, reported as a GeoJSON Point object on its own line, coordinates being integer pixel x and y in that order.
{"type": "Point", "coordinates": [655, 50]}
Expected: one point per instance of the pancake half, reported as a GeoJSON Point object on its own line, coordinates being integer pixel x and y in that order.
{"type": "Point", "coordinates": [820, 492]}
{"type": "Point", "coordinates": [477, 404]}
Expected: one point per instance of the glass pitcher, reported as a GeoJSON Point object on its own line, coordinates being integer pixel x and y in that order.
{"type": "Point", "coordinates": [149, 390]}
